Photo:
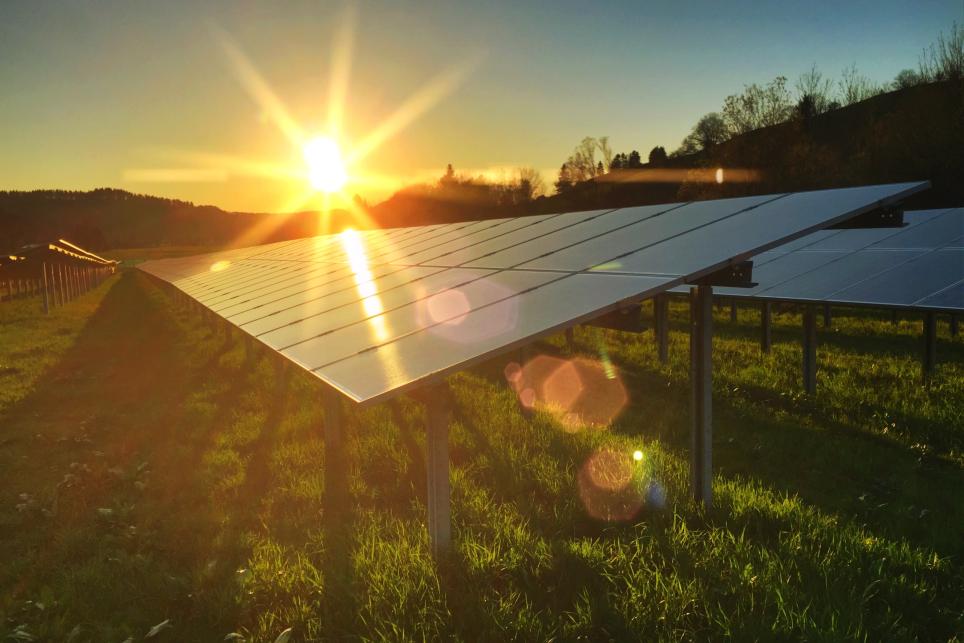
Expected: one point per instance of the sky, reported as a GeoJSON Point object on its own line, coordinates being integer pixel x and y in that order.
{"type": "Point", "coordinates": [151, 97]}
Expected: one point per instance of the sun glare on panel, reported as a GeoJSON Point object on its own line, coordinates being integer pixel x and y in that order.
{"type": "Point", "coordinates": [326, 168]}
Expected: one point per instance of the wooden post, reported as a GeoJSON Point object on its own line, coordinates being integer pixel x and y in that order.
{"type": "Point", "coordinates": [570, 339]}
{"type": "Point", "coordinates": [953, 321]}
{"type": "Point", "coordinates": [701, 383]}
{"type": "Point", "coordinates": [809, 350]}
{"type": "Point", "coordinates": [733, 311]}
{"type": "Point", "coordinates": [930, 344]}
{"type": "Point", "coordinates": [766, 330]}
{"type": "Point", "coordinates": [437, 466]}
{"type": "Point", "coordinates": [661, 326]}
{"type": "Point", "coordinates": [826, 316]}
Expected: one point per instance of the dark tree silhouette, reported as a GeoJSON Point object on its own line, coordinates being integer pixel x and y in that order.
{"type": "Point", "coordinates": [564, 182]}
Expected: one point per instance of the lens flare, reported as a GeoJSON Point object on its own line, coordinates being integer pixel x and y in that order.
{"type": "Point", "coordinates": [580, 393]}
{"type": "Point", "coordinates": [607, 488]}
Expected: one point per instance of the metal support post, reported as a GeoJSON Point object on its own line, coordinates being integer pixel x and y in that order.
{"type": "Point", "coordinates": [766, 329]}
{"type": "Point", "coordinates": [826, 316]}
{"type": "Point", "coordinates": [930, 344]}
{"type": "Point", "coordinates": [335, 465]}
{"type": "Point", "coordinates": [661, 326]}
{"type": "Point", "coordinates": [809, 350]}
{"type": "Point", "coordinates": [953, 321]}
{"type": "Point", "coordinates": [46, 296]}
{"type": "Point", "coordinates": [701, 382]}
{"type": "Point", "coordinates": [437, 466]}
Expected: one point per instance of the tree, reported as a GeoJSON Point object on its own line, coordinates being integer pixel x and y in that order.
{"type": "Point", "coordinates": [814, 93]}
{"type": "Point", "coordinates": [449, 177]}
{"type": "Point", "coordinates": [906, 78]}
{"type": "Point", "coordinates": [657, 155]}
{"type": "Point", "coordinates": [529, 184]}
{"type": "Point", "coordinates": [635, 161]}
{"type": "Point", "coordinates": [757, 107]}
{"type": "Point", "coordinates": [710, 130]}
{"type": "Point", "coordinates": [945, 58]}
{"type": "Point", "coordinates": [855, 87]}
{"type": "Point", "coordinates": [564, 182]}
{"type": "Point", "coordinates": [582, 163]}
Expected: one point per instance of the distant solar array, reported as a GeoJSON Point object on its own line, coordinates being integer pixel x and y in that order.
{"type": "Point", "coordinates": [920, 266]}
{"type": "Point", "coordinates": [58, 271]}
{"type": "Point", "coordinates": [373, 313]}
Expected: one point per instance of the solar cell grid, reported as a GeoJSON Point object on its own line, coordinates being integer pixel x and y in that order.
{"type": "Point", "coordinates": [375, 312]}
{"type": "Point", "coordinates": [900, 267]}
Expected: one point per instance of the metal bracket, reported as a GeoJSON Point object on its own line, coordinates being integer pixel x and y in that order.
{"type": "Point", "coordinates": [738, 275]}
{"type": "Point", "coordinates": [885, 217]}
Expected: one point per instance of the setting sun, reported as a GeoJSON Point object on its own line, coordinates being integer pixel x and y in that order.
{"type": "Point", "coordinates": [326, 169]}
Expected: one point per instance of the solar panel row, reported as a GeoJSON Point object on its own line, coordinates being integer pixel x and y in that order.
{"type": "Point", "coordinates": [374, 313]}
{"type": "Point", "coordinates": [918, 266]}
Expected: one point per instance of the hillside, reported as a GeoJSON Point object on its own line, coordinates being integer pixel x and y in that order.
{"type": "Point", "coordinates": [909, 134]}
{"type": "Point", "coordinates": [110, 218]}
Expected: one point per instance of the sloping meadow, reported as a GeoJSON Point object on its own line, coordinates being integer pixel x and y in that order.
{"type": "Point", "coordinates": [159, 472]}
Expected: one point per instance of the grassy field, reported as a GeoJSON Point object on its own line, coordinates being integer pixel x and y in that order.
{"type": "Point", "coordinates": [160, 482]}
{"type": "Point", "coordinates": [133, 256]}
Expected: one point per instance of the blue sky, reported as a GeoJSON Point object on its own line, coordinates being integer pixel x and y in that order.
{"type": "Point", "coordinates": [92, 90]}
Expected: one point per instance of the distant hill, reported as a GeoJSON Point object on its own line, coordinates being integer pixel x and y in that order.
{"type": "Point", "coordinates": [108, 218]}
{"type": "Point", "coordinates": [909, 134]}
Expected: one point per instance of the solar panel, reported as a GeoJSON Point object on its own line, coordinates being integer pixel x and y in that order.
{"type": "Point", "coordinates": [374, 313]}
{"type": "Point", "coordinates": [918, 266]}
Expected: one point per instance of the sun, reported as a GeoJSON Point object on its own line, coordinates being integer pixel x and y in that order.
{"type": "Point", "coordinates": [326, 168]}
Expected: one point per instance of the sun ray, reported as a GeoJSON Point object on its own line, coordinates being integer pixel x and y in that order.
{"type": "Point", "coordinates": [341, 59]}
{"type": "Point", "coordinates": [258, 88]}
{"type": "Point", "coordinates": [234, 164]}
{"type": "Point", "coordinates": [325, 173]}
{"type": "Point", "coordinates": [417, 104]}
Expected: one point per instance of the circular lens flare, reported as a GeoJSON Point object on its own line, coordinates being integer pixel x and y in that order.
{"type": "Point", "coordinates": [326, 169]}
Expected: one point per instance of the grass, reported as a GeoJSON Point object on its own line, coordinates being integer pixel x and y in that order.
{"type": "Point", "coordinates": [153, 470]}
{"type": "Point", "coordinates": [133, 256]}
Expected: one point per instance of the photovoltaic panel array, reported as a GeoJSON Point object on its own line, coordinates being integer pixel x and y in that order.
{"type": "Point", "coordinates": [374, 313]}
{"type": "Point", "coordinates": [919, 266]}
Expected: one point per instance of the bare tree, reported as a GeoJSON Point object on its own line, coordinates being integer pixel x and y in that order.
{"type": "Point", "coordinates": [812, 84]}
{"type": "Point", "coordinates": [757, 107]}
{"type": "Point", "coordinates": [855, 87]}
{"type": "Point", "coordinates": [529, 184]}
{"type": "Point", "coordinates": [582, 164]}
{"type": "Point", "coordinates": [944, 60]}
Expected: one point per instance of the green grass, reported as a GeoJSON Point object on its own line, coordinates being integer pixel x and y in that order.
{"type": "Point", "coordinates": [152, 469]}
{"type": "Point", "coordinates": [133, 256]}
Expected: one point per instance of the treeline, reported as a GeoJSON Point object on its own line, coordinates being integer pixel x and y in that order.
{"type": "Point", "coordinates": [109, 218]}
{"type": "Point", "coordinates": [458, 197]}
{"type": "Point", "coordinates": [819, 133]}
{"type": "Point", "coordinates": [813, 94]}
